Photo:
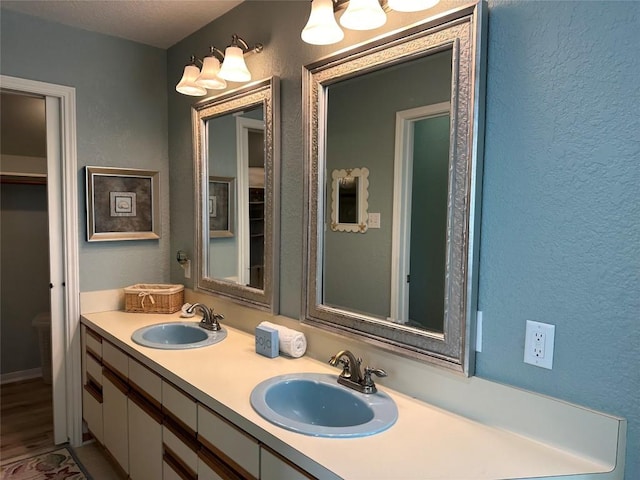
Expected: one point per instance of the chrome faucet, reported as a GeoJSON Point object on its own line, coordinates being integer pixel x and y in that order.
{"type": "Point", "coordinates": [210, 320]}
{"type": "Point", "coordinates": [352, 376]}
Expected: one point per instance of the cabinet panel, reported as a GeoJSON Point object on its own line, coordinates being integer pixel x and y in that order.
{"type": "Point", "coordinates": [236, 447]}
{"type": "Point", "coordinates": [93, 343]}
{"type": "Point", "coordinates": [180, 449]}
{"type": "Point", "coordinates": [114, 407]}
{"type": "Point", "coordinates": [206, 473]}
{"type": "Point", "coordinates": [168, 472]}
{"type": "Point", "coordinates": [179, 405]}
{"type": "Point", "coordinates": [93, 368]}
{"type": "Point", "coordinates": [145, 381]}
{"type": "Point", "coordinates": [92, 414]}
{"type": "Point", "coordinates": [145, 443]}
{"type": "Point", "coordinates": [274, 467]}
{"type": "Point", "coordinates": [211, 467]}
{"type": "Point", "coordinates": [115, 359]}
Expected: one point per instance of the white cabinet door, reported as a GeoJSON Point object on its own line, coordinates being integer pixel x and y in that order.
{"type": "Point", "coordinates": [114, 407]}
{"type": "Point", "coordinates": [145, 441]}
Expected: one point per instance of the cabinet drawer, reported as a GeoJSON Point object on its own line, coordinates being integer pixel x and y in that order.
{"type": "Point", "coordinates": [186, 454]}
{"type": "Point", "coordinates": [228, 442]}
{"type": "Point", "coordinates": [274, 467]}
{"type": "Point", "coordinates": [92, 414]}
{"type": "Point", "coordinates": [180, 460]}
{"type": "Point", "coordinates": [179, 406]}
{"type": "Point", "coordinates": [93, 342]}
{"type": "Point", "coordinates": [115, 359]}
{"type": "Point", "coordinates": [93, 368]}
{"type": "Point", "coordinates": [172, 471]}
{"type": "Point", "coordinates": [211, 467]}
{"type": "Point", "coordinates": [147, 383]}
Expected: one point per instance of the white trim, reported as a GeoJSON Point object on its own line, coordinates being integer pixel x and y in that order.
{"type": "Point", "coordinates": [243, 125]}
{"type": "Point", "coordinates": [65, 331]}
{"type": "Point", "coordinates": [20, 376]}
{"type": "Point", "coordinates": [402, 188]}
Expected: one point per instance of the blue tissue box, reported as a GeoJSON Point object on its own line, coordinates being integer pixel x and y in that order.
{"type": "Point", "coordinates": [267, 342]}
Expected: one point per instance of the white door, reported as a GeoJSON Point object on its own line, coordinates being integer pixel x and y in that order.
{"type": "Point", "coordinates": [63, 245]}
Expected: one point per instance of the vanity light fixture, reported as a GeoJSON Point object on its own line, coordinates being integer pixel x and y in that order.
{"type": "Point", "coordinates": [214, 76]}
{"type": "Point", "coordinates": [322, 28]}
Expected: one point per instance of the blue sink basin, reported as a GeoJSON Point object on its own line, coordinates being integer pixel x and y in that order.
{"type": "Point", "coordinates": [177, 336]}
{"type": "Point", "coordinates": [315, 404]}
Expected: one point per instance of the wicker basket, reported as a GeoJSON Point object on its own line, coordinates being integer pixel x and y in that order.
{"type": "Point", "coordinates": [153, 298]}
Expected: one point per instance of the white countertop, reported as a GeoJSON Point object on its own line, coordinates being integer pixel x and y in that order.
{"type": "Point", "coordinates": [425, 443]}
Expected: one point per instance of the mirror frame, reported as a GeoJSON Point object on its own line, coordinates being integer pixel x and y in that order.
{"type": "Point", "coordinates": [362, 197]}
{"type": "Point", "coordinates": [463, 30]}
{"type": "Point", "coordinates": [267, 94]}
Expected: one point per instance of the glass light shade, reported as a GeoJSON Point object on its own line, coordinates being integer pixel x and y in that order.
{"type": "Point", "coordinates": [322, 28]}
{"type": "Point", "coordinates": [208, 77]}
{"type": "Point", "coordinates": [363, 15]}
{"type": "Point", "coordinates": [187, 84]}
{"type": "Point", "coordinates": [233, 68]}
{"type": "Point", "coordinates": [411, 5]}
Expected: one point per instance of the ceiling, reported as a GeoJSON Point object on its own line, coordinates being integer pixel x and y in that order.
{"type": "Point", "coordinates": [159, 23]}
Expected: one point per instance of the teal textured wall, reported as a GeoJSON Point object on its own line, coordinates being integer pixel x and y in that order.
{"type": "Point", "coordinates": [561, 202]}
{"type": "Point", "coordinates": [121, 107]}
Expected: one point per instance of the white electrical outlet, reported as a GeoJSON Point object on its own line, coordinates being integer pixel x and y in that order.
{"type": "Point", "coordinates": [538, 344]}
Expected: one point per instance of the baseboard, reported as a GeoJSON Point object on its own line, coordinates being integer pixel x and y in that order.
{"type": "Point", "coordinates": [21, 375]}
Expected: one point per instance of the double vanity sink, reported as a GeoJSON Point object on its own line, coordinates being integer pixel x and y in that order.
{"type": "Point", "coordinates": [297, 409]}
{"type": "Point", "coordinates": [308, 403]}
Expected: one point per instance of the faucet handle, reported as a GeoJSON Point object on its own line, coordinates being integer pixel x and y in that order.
{"type": "Point", "coordinates": [368, 371]}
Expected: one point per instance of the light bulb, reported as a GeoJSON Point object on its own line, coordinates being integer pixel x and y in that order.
{"type": "Point", "coordinates": [233, 68]}
{"type": "Point", "coordinates": [363, 15]}
{"type": "Point", "coordinates": [208, 77]}
{"type": "Point", "coordinates": [322, 28]}
{"type": "Point", "coordinates": [187, 84]}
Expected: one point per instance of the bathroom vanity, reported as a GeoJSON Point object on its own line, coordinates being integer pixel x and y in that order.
{"type": "Point", "coordinates": [187, 414]}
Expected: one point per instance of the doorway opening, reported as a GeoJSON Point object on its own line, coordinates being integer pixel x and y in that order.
{"type": "Point", "coordinates": [421, 180]}
{"type": "Point", "coordinates": [62, 280]}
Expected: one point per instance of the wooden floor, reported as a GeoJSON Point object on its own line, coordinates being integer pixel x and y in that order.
{"type": "Point", "coordinates": [26, 419]}
{"type": "Point", "coordinates": [26, 428]}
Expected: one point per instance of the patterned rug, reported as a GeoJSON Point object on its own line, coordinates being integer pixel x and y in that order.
{"type": "Point", "coordinates": [59, 464]}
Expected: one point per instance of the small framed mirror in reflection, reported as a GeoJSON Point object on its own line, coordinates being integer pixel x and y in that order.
{"type": "Point", "coordinates": [349, 200]}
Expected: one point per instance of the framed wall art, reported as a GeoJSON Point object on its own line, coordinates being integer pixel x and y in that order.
{"type": "Point", "coordinates": [221, 206]}
{"type": "Point", "coordinates": [122, 204]}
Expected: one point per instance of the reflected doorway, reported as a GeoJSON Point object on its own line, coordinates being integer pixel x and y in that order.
{"type": "Point", "coordinates": [421, 192]}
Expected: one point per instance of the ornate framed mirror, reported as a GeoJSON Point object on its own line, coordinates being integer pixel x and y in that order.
{"type": "Point", "coordinates": [409, 106]}
{"type": "Point", "coordinates": [236, 160]}
{"type": "Point", "coordinates": [349, 205]}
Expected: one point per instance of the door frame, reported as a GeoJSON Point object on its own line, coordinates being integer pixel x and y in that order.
{"type": "Point", "coordinates": [243, 125]}
{"type": "Point", "coordinates": [64, 257]}
{"type": "Point", "coordinates": [402, 188]}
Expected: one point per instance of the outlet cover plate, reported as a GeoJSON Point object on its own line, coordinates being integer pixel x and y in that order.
{"type": "Point", "coordinates": [538, 344]}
